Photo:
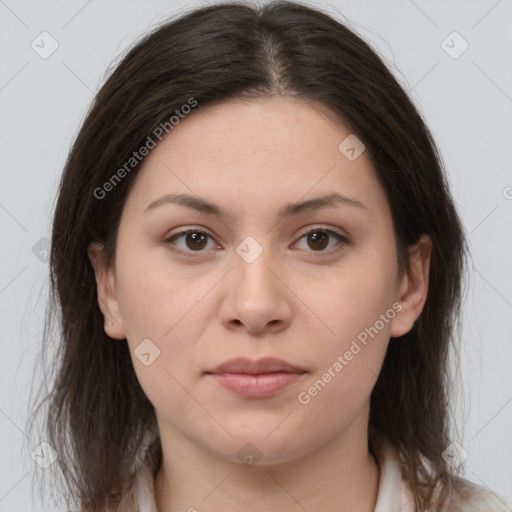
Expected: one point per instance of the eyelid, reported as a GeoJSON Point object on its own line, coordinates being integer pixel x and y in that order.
{"type": "Point", "coordinates": [324, 227]}
{"type": "Point", "coordinates": [191, 229]}
{"type": "Point", "coordinates": [343, 239]}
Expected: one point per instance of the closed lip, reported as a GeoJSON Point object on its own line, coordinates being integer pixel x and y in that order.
{"type": "Point", "coordinates": [256, 367]}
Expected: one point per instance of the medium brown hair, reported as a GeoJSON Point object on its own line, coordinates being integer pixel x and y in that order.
{"type": "Point", "coordinates": [96, 414]}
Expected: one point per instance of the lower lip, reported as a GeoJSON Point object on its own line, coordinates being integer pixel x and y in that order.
{"type": "Point", "coordinates": [256, 386]}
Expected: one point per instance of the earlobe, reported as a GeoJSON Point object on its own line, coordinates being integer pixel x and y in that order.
{"type": "Point", "coordinates": [413, 289]}
{"type": "Point", "coordinates": [107, 297]}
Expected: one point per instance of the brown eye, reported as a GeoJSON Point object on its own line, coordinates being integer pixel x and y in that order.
{"type": "Point", "coordinates": [195, 240]}
{"type": "Point", "coordinates": [191, 241]}
{"type": "Point", "coordinates": [318, 240]}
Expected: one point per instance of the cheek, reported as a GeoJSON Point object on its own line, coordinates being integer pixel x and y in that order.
{"type": "Point", "coordinates": [169, 308]}
{"type": "Point", "coordinates": [353, 298]}
{"type": "Point", "coordinates": [356, 309]}
{"type": "Point", "coordinates": [152, 295]}
{"type": "Point", "coordinates": [161, 316]}
{"type": "Point", "coordinates": [350, 359]}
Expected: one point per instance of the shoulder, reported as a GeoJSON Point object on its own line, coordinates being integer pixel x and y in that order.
{"type": "Point", "coordinates": [467, 496]}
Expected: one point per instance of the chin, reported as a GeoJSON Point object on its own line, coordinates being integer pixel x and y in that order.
{"type": "Point", "coordinates": [261, 447]}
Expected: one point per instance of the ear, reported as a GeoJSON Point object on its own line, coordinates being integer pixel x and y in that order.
{"type": "Point", "coordinates": [107, 296]}
{"type": "Point", "coordinates": [413, 289]}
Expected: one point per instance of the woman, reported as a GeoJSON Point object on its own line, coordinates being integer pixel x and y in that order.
{"type": "Point", "coordinates": [258, 264]}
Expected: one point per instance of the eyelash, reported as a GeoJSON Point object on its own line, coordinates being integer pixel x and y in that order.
{"type": "Point", "coordinates": [194, 254]}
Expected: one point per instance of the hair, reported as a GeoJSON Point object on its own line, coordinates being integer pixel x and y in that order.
{"type": "Point", "coordinates": [97, 416]}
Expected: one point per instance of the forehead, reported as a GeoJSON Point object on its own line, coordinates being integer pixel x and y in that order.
{"type": "Point", "coordinates": [252, 152]}
{"type": "Point", "coordinates": [281, 126]}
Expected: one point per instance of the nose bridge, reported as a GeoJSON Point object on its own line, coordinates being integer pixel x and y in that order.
{"type": "Point", "coordinates": [254, 257]}
{"type": "Point", "coordinates": [257, 297]}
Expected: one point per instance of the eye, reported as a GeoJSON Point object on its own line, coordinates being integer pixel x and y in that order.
{"type": "Point", "coordinates": [196, 241]}
{"type": "Point", "coordinates": [193, 240]}
{"type": "Point", "coordinates": [319, 238]}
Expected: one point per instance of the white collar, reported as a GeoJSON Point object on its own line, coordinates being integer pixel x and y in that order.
{"type": "Point", "coordinates": [394, 495]}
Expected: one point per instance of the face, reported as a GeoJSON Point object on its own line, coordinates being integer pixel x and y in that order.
{"type": "Point", "coordinates": [316, 286]}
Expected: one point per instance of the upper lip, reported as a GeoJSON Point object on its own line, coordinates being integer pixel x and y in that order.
{"type": "Point", "coordinates": [254, 367]}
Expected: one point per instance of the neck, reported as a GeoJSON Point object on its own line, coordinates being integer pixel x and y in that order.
{"type": "Point", "coordinates": [340, 475]}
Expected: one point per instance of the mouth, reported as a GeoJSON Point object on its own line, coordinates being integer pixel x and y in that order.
{"type": "Point", "coordinates": [263, 378]}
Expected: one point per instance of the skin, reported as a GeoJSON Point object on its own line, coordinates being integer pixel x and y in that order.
{"type": "Point", "coordinates": [291, 302]}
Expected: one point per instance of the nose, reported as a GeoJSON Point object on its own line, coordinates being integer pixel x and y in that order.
{"type": "Point", "coordinates": [257, 297]}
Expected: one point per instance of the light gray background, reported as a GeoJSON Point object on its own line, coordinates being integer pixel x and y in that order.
{"type": "Point", "coordinates": [466, 101]}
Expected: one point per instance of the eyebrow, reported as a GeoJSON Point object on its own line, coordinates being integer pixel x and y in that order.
{"type": "Point", "coordinates": [288, 210]}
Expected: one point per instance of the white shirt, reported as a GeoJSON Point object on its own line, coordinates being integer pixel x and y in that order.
{"type": "Point", "coordinates": [394, 494]}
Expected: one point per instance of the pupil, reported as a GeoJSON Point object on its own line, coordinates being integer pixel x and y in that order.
{"type": "Point", "coordinates": [316, 236]}
{"type": "Point", "coordinates": [197, 238]}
